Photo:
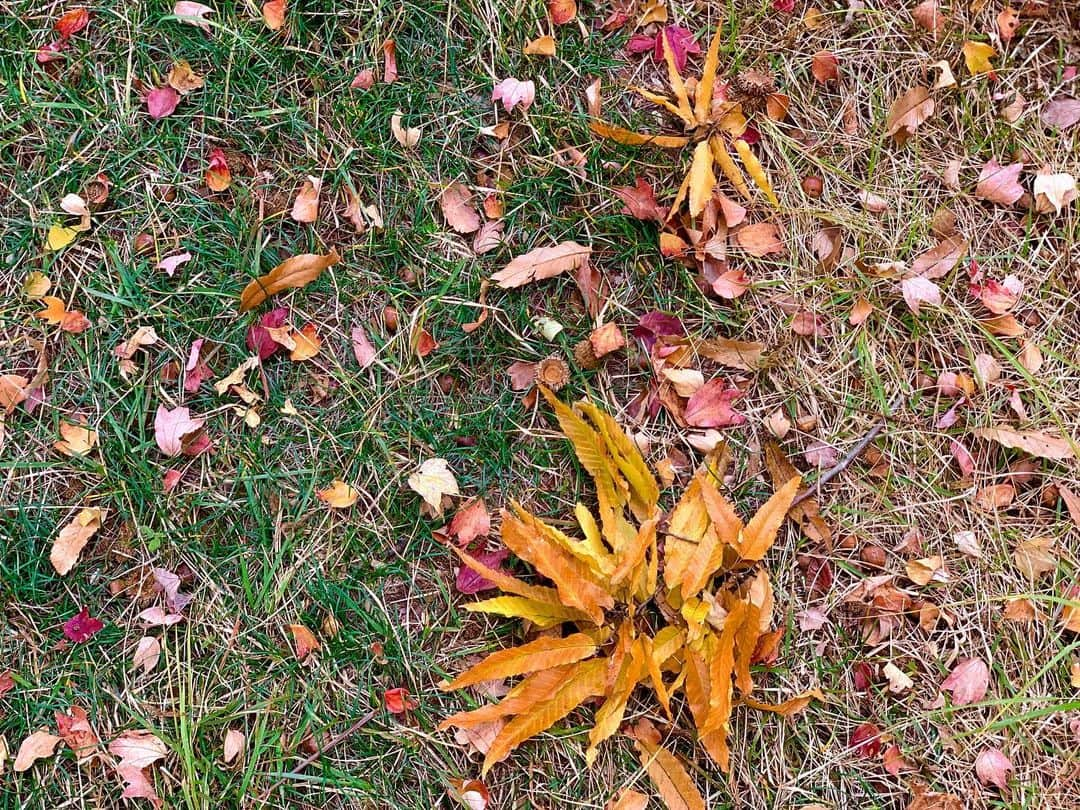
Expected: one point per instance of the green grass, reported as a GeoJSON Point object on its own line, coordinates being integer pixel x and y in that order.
{"type": "Point", "coordinates": [263, 552]}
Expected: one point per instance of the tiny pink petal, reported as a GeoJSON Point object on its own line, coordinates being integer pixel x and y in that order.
{"type": "Point", "coordinates": [170, 263]}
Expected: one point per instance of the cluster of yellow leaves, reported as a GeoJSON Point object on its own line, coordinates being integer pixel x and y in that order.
{"type": "Point", "coordinates": [704, 120]}
{"type": "Point", "coordinates": [685, 619]}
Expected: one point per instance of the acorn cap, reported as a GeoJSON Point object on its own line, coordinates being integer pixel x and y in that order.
{"type": "Point", "coordinates": [585, 356]}
{"type": "Point", "coordinates": [552, 372]}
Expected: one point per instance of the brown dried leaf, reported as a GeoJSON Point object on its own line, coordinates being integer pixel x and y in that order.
{"type": "Point", "coordinates": [1033, 442]}
{"type": "Point", "coordinates": [294, 272]}
{"type": "Point", "coordinates": [908, 112]}
{"type": "Point", "coordinates": [456, 202]}
{"type": "Point", "coordinates": [542, 263]}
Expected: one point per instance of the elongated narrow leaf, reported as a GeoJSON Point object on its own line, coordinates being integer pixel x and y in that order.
{"type": "Point", "coordinates": [297, 271]}
{"type": "Point", "coordinates": [576, 584]}
{"type": "Point", "coordinates": [600, 563]}
{"type": "Point", "coordinates": [792, 705]}
{"type": "Point", "coordinates": [643, 490]}
{"type": "Point", "coordinates": [585, 681]}
{"type": "Point", "coordinates": [532, 690]}
{"type": "Point", "coordinates": [630, 138]}
{"type": "Point", "coordinates": [543, 653]}
{"type": "Point", "coordinates": [721, 668]}
{"type": "Point", "coordinates": [541, 263]}
{"type": "Point", "coordinates": [702, 179]}
{"type": "Point", "coordinates": [687, 526]}
{"type": "Point", "coordinates": [673, 783]}
{"type": "Point", "coordinates": [678, 86]}
{"type": "Point", "coordinates": [659, 100]}
{"type": "Point", "coordinates": [609, 716]}
{"type": "Point", "coordinates": [632, 558]}
{"type": "Point", "coordinates": [542, 614]}
{"type": "Point", "coordinates": [704, 93]}
{"type": "Point", "coordinates": [760, 532]}
{"type": "Point", "coordinates": [746, 638]}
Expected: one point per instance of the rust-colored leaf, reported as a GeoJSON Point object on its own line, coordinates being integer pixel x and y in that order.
{"type": "Point", "coordinates": [297, 271]}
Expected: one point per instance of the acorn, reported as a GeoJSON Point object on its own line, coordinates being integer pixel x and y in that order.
{"type": "Point", "coordinates": [552, 372]}
{"type": "Point", "coordinates": [813, 186]}
{"type": "Point", "coordinates": [584, 355]}
{"type": "Point", "coordinates": [873, 555]}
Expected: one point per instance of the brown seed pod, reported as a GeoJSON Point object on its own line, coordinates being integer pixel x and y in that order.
{"type": "Point", "coordinates": [552, 372]}
{"type": "Point", "coordinates": [584, 355]}
{"type": "Point", "coordinates": [751, 88]}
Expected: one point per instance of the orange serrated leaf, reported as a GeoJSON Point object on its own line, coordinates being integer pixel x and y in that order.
{"type": "Point", "coordinates": [543, 653]}
{"type": "Point", "coordinates": [760, 532]}
{"type": "Point", "coordinates": [676, 788]}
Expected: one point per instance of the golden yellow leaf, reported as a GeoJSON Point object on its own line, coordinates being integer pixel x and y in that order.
{"type": "Point", "coordinates": [704, 93]}
{"type": "Point", "coordinates": [75, 440]}
{"type": "Point", "coordinates": [977, 56]}
{"type": "Point", "coordinates": [760, 532]}
{"type": "Point", "coordinates": [629, 800]}
{"type": "Point", "coordinates": [721, 668]}
{"type": "Point", "coordinates": [307, 343]}
{"type": "Point", "coordinates": [542, 614]}
{"type": "Point", "coordinates": [755, 170]}
{"type": "Point", "coordinates": [531, 690]}
{"type": "Point", "coordinates": [609, 716]}
{"type": "Point", "coordinates": [728, 166]}
{"type": "Point", "coordinates": [36, 285]}
{"type": "Point", "coordinates": [296, 271]}
{"type": "Point", "coordinates": [702, 179]}
{"type": "Point", "coordinates": [71, 540]}
{"type": "Point", "coordinates": [673, 783]}
{"type": "Point", "coordinates": [585, 681]}
{"type": "Point", "coordinates": [629, 138]}
{"type": "Point", "coordinates": [791, 706]}
{"type": "Point", "coordinates": [678, 86]}
{"type": "Point", "coordinates": [541, 46]}
{"type": "Point", "coordinates": [543, 653]}
{"type": "Point", "coordinates": [59, 237]}
{"type": "Point", "coordinates": [746, 638]}
{"type": "Point", "coordinates": [687, 526]}
{"type": "Point", "coordinates": [338, 495]}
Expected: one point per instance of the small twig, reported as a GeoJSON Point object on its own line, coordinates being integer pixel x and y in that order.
{"type": "Point", "coordinates": [359, 724]}
{"type": "Point", "coordinates": [831, 473]}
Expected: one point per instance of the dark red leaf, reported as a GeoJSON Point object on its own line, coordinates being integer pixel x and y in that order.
{"type": "Point", "coordinates": [470, 582]}
{"type": "Point", "coordinates": [655, 324]}
{"type": "Point", "coordinates": [640, 201]}
{"type": "Point", "coordinates": [81, 626]}
{"type": "Point", "coordinates": [259, 340]}
{"type": "Point", "coordinates": [682, 44]}
{"type": "Point", "coordinates": [866, 740]}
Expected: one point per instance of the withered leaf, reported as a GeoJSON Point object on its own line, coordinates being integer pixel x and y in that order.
{"type": "Point", "coordinates": [542, 263]}
{"type": "Point", "coordinates": [1033, 442]}
{"type": "Point", "coordinates": [294, 272]}
{"type": "Point", "coordinates": [908, 112]}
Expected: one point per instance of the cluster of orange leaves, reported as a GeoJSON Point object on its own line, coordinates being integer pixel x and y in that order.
{"type": "Point", "coordinates": [677, 602]}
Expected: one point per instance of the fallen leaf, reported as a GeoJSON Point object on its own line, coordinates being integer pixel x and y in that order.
{"type": "Point", "coordinates": [81, 626]}
{"type": "Point", "coordinates": [977, 56]}
{"type": "Point", "coordinates": [471, 794]}
{"type": "Point", "coordinates": [406, 137]}
{"type": "Point", "coordinates": [72, 22]}
{"type": "Point", "coordinates": [306, 205]}
{"type": "Point", "coordinates": [898, 681]}
{"type": "Point", "coordinates": [363, 80]}
{"type": "Point", "coordinates": [995, 496]}
{"type": "Point", "coordinates": [874, 203]}
{"type": "Point", "coordinates": [946, 78]}
{"type": "Point", "coordinates": [182, 78]}
{"type": "Point", "coordinates": [908, 112]}
{"type": "Point", "coordinates": [513, 92]}
{"type": "Point", "coordinates": [37, 746]}
{"type": "Point", "coordinates": [711, 406]}
{"type": "Point", "coordinates": [893, 760]}
{"type": "Point", "coordinates": [174, 430]}
{"type": "Point", "coordinates": [701, 179]}
{"type": "Point", "coordinates": [75, 439]}
{"type": "Point", "coordinates": [296, 271]}
{"type": "Point", "coordinates": [136, 751]}
{"type": "Point", "coordinates": [1053, 191]}
{"type": "Point", "coordinates": [273, 14]}
{"type": "Point", "coordinates": [470, 522]}
{"type": "Point", "coordinates": [36, 285]}
{"type": "Point", "coordinates": [926, 799]}
{"type": "Point", "coordinates": [338, 495]}
{"type": "Point", "coordinates": [218, 177]}
{"type": "Point", "coordinates": [59, 237]}
{"type": "Point", "coordinates": [1063, 113]}
{"type": "Point", "coordinates": [457, 206]}
{"type": "Point", "coordinates": [307, 343]}
{"type": "Point", "coordinates": [69, 543]}
{"type": "Point", "coordinates": [628, 800]}
{"type": "Point", "coordinates": [170, 263]}
{"type": "Point", "coordinates": [999, 184]}
{"type": "Point", "coordinates": [1034, 557]}
{"type": "Point", "coordinates": [1033, 442]}
{"type": "Point", "coordinates": [967, 542]}
{"type": "Point", "coordinates": [928, 16]}
{"type": "Point", "coordinates": [488, 237]}
{"type": "Point", "coordinates": [825, 67]}
{"type": "Point", "coordinates": [941, 259]}
{"type": "Point", "coordinates": [918, 291]}
{"type": "Point", "coordinates": [1070, 611]}
{"type": "Point", "coordinates": [12, 391]}
{"type": "Point", "coordinates": [606, 339]}
{"type": "Point", "coordinates": [541, 263]}
{"type": "Point", "coordinates": [161, 102]}
{"type": "Point", "coordinates": [927, 570]}
{"type": "Point", "coordinates": [811, 619]}
{"type": "Point", "coordinates": [193, 14]}
{"type": "Point", "coordinates": [1072, 503]}
{"type": "Point", "coordinates": [157, 616]}
{"type": "Point", "coordinates": [234, 745]}
{"type": "Point", "coordinates": [1019, 610]}
{"type": "Point", "coordinates": [760, 239]}
{"type": "Point", "coordinates": [562, 11]}
{"type": "Point", "coordinates": [469, 581]}
{"type": "Point", "coordinates": [147, 654]}
{"type": "Point", "coordinates": [991, 765]}
{"type": "Point", "coordinates": [390, 66]}
{"type": "Point", "coordinates": [967, 681]}
{"type": "Point", "coordinates": [541, 46]}
{"type": "Point", "coordinates": [432, 481]}
{"type": "Point", "coordinates": [398, 701]}
{"type": "Point", "coordinates": [260, 335]}
{"type": "Point", "coordinates": [866, 740]}
{"type": "Point", "coordinates": [304, 641]}
{"type": "Point", "coordinates": [640, 201]}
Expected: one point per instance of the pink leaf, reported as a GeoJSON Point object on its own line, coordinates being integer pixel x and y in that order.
{"type": "Point", "coordinates": [364, 80]}
{"type": "Point", "coordinates": [161, 102]}
{"type": "Point", "coordinates": [656, 324]}
{"type": "Point", "coordinates": [918, 291]}
{"type": "Point", "coordinates": [363, 351]}
{"type": "Point", "coordinates": [821, 455]}
{"type": "Point", "coordinates": [967, 681]}
{"type": "Point", "coordinates": [963, 458]}
{"type": "Point", "coordinates": [193, 14]}
{"type": "Point", "coordinates": [170, 263]}
{"type": "Point", "coordinates": [710, 406]}
{"type": "Point", "coordinates": [784, 6]}
{"type": "Point", "coordinates": [171, 427]}
{"type": "Point", "coordinates": [470, 522]}
{"type": "Point", "coordinates": [195, 370]}
{"type": "Point", "coordinates": [171, 479]}
{"type": "Point", "coordinates": [168, 583]}
{"type": "Point", "coordinates": [640, 201]}
{"type": "Point", "coordinates": [513, 92]}
{"type": "Point", "coordinates": [81, 626]}
{"type": "Point", "coordinates": [681, 40]}
{"type": "Point", "coordinates": [51, 52]}
{"type": "Point", "coordinates": [993, 767]}
{"type": "Point", "coordinates": [470, 582]}
{"type": "Point", "coordinates": [998, 184]}
{"type": "Point", "coordinates": [812, 619]}
{"type": "Point", "coordinates": [157, 617]}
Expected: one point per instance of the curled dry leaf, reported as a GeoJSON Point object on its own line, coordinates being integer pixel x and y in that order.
{"type": "Point", "coordinates": [71, 540]}
{"type": "Point", "coordinates": [182, 78]}
{"type": "Point", "coordinates": [218, 177]}
{"type": "Point", "coordinates": [542, 263]}
{"type": "Point", "coordinates": [304, 641]}
{"type": "Point", "coordinates": [193, 14]}
{"type": "Point", "coordinates": [760, 239]}
{"type": "Point", "coordinates": [234, 745]}
{"type": "Point", "coordinates": [927, 570]}
{"type": "Point", "coordinates": [471, 794]}
{"type": "Point", "coordinates": [1033, 442]}
{"type": "Point", "coordinates": [908, 112]}
{"type": "Point", "coordinates": [457, 206]}
{"type": "Point", "coordinates": [390, 66]}
{"type": "Point", "coordinates": [273, 14]}
{"type": "Point", "coordinates": [296, 271]}
{"type": "Point", "coordinates": [1053, 191]}
{"type": "Point", "coordinates": [306, 205]}
{"type": "Point", "coordinates": [338, 495]}
{"type": "Point", "coordinates": [977, 56]}
{"type": "Point", "coordinates": [406, 137]}
{"type": "Point", "coordinates": [146, 654]}
{"type": "Point", "coordinates": [541, 46]}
